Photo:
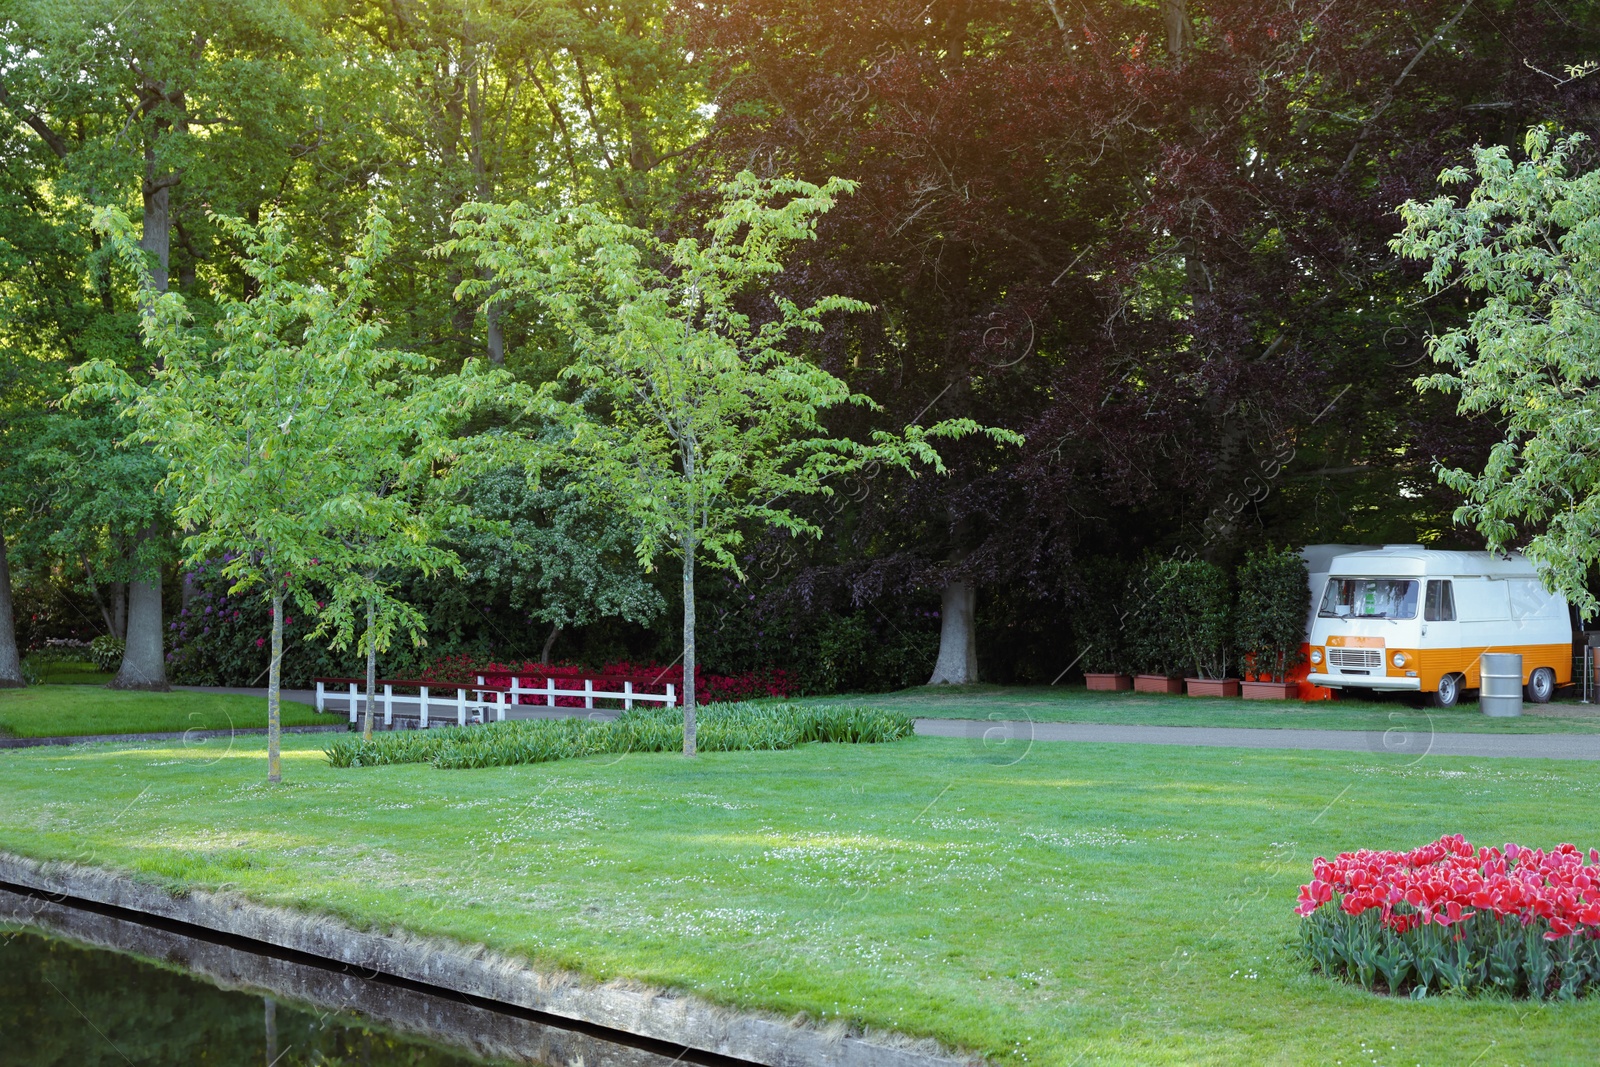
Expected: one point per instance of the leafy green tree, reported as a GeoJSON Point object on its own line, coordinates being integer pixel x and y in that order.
{"type": "Point", "coordinates": [284, 439]}
{"type": "Point", "coordinates": [554, 555]}
{"type": "Point", "coordinates": [1527, 239]}
{"type": "Point", "coordinates": [685, 414]}
{"type": "Point", "coordinates": [553, 102]}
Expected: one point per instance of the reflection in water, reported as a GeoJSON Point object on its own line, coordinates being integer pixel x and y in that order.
{"type": "Point", "coordinates": [65, 1003]}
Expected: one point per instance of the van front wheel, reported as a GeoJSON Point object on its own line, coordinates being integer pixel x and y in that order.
{"type": "Point", "coordinates": [1448, 695]}
{"type": "Point", "coordinates": [1541, 686]}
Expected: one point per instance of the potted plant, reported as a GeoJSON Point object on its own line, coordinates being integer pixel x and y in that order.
{"type": "Point", "coordinates": [1269, 625]}
{"type": "Point", "coordinates": [1200, 615]}
{"type": "Point", "coordinates": [1152, 639]}
{"type": "Point", "coordinates": [1098, 625]}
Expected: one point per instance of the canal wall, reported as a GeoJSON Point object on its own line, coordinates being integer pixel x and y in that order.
{"type": "Point", "coordinates": [472, 971]}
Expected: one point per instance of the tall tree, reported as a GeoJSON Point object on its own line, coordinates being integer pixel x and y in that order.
{"type": "Point", "coordinates": [684, 410]}
{"type": "Point", "coordinates": [1163, 264]}
{"type": "Point", "coordinates": [280, 436]}
{"type": "Point", "coordinates": [160, 101]}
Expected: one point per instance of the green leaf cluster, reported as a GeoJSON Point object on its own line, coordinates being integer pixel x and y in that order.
{"type": "Point", "coordinates": [1525, 244]}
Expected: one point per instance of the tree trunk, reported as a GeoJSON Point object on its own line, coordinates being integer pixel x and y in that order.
{"type": "Point", "coordinates": [274, 686]}
{"type": "Point", "coordinates": [688, 643]}
{"type": "Point", "coordinates": [157, 233]}
{"type": "Point", "coordinates": [372, 670]}
{"type": "Point", "coordinates": [144, 664]}
{"type": "Point", "coordinates": [549, 643]}
{"type": "Point", "coordinates": [958, 642]}
{"type": "Point", "coordinates": [10, 662]}
{"type": "Point", "coordinates": [188, 592]}
{"type": "Point", "coordinates": [119, 610]}
{"type": "Point", "coordinates": [1175, 14]}
{"type": "Point", "coordinates": [497, 337]}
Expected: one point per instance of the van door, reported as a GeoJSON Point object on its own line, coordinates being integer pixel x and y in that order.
{"type": "Point", "coordinates": [1483, 608]}
{"type": "Point", "coordinates": [1441, 635]}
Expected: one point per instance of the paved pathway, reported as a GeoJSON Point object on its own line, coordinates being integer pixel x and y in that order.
{"type": "Point", "coordinates": [1001, 736]}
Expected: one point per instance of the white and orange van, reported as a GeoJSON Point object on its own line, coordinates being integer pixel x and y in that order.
{"type": "Point", "coordinates": [1410, 619]}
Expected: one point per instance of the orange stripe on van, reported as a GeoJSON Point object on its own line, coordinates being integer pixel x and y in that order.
{"type": "Point", "coordinates": [1433, 663]}
{"type": "Point", "coordinates": [1338, 641]}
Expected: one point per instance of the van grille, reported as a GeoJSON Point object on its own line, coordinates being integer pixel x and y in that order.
{"type": "Point", "coordinates": [1364, 659]}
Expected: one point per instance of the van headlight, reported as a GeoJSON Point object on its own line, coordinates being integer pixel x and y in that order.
{"type": "Point", "coordinates": [1316, 655]}
{"type": "Point", "coordinates": [1399, 659]}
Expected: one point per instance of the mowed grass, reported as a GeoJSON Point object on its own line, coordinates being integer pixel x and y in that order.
{"type": "Point", "coordinates": [70, 672]}
{"type": "Point", "coordinates": [1072, 703]}
{"type": "Point", "coordinates": [1062, 904]}
{"type": "Point", "coordinates": [77, 710]}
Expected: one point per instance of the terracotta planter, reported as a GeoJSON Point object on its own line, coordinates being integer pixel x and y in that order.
{"type": "Point", "coordinates": [1156, 683]}
{"type": "Point", "coordinates": [1107, 683]}
{"type": "Point", "coordinates": [1270, 690]}
{"type": "Point", "coordinates": [1212, 687]}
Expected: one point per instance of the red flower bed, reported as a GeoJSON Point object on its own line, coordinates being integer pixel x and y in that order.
{"type": "Point", "coordinates": [1447, 916]}
{"type": "Point", "coordinates": [1449, 880]}
{"type": "Point", "coordinates": [646, 678]}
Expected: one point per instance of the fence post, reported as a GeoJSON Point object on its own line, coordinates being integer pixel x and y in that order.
{"type": "Point", "coordinates": [352, 703]}
{"type": "Point", "coordinates": [322, 700]}
{"type": "Point", "coordinates": [549, 691]}
{"type": "Point", "coordinates": [672, 700]}
{"type": "Point", "coordinates": [500, 705]}
{"type": "Point", "coordinates": [388, 704]}
{"type": "Point", "coordinates": [588, 692]}
{"type": "Point", "coordinates": [461, 707]}
{"type": "Point", "coordinates": [422, 708]}
{"type": "Point", "coordinates": [627, 696]}
{"type": "Point", "coordinates": [516, 688]}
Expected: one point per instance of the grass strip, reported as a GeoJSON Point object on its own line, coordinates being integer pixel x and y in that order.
{"type": "Point", "coordinates": [79, 710]}
{"type": "Point", "coordinates": [720, 728]}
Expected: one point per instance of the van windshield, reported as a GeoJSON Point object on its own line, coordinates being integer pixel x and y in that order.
{"type": "Point", "coordinates": [1369, 598]}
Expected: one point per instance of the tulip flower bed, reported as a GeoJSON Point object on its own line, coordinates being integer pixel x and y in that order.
{"type": "Point", "coordinates": [1515, 921]}
{"type": "Point", "coordinates": [721, 728]}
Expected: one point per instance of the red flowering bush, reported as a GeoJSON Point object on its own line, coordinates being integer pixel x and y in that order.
{"type": "Point", "coordinates": [1447, 916]}
{"type": "Point", "coordinates": [646, 678]}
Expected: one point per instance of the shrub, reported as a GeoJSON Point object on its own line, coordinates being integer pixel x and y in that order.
{"type": "Point", "coordinates": [105, 652]}
{"type": "Point", "coordinates": [1098, 622]}
{"type": "Point", "coordinates": [1197, 609]}
{"type": "Point", "coordinates": [1515, 922]}
{"type": "Point", "coordinates": [722, 728]}
{"type": "Point", "coordinates": [1152, 642]}
{"type": "Point", "coordinates": [1269, 623]}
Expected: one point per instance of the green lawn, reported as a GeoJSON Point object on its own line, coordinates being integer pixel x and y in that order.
{"type": "Point", "coordinates": [1072, 703]}
{"type": "Point", "coordinates": [1082, 904]}
{"type": "Point", "coordinates": [70, 672]}
{"type": "Point", "coordinates": [75, 710]}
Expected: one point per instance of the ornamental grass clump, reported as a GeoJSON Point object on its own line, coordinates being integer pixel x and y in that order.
{"type": "Point", "coordinates": [1516, 922]}
{"type": "Point", "coordinates": [723, 728]}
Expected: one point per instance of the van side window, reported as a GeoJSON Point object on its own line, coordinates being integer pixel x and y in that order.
{"type": "Point", "coordinates": [1440, 605]}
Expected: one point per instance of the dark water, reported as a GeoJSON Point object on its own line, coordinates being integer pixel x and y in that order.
{"type": "Point", "coordinates": [62, 1003]}
{"type": "Point", "coordinates": [81, 989]}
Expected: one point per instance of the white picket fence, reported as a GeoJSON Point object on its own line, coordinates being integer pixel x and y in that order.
{"type": "Point", "coordinates": [479, 703]}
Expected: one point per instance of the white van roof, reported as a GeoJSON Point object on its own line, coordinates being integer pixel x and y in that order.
{"type": "Point", "coordinates": [1318, 557]}
{"type": "Point", "coordinates": [1414, 560]}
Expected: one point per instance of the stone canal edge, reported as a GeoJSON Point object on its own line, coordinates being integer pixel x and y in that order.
{"type": "Point", "coordinates": [474, 971]}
